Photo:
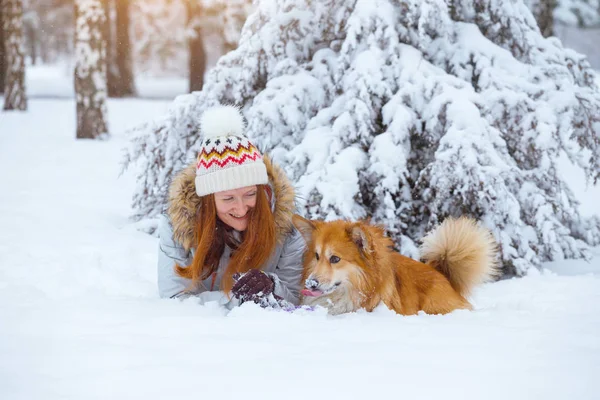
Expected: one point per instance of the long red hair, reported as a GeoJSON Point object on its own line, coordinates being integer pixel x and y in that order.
{"type": "Point", "coordinates": [252, 252]}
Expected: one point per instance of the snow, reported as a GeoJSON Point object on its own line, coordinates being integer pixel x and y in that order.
{"type": "Point", "coordinates": [81, 318]}
{"type": "Point", "coordinates": [582, 40]}
{"type": "Point", "coordinates": [577, 13]}
{"type": "Point", "coordinates": [56, 81]}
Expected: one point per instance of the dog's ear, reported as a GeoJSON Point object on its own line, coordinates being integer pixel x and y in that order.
{"type": "Point", "coordinates": [304, 226]}
{"type": "Point", "coordinates": [360, 239]}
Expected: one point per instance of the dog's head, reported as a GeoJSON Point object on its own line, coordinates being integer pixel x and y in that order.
{"type": "Point", "coordinates": [340, 255]}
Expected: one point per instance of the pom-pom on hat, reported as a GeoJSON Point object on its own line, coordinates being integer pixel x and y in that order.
{"type": "Point", "coordinates": [227, 159]}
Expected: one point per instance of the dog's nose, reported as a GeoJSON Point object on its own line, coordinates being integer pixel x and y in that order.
{"type": "Point", "coordinates": [311, 283]}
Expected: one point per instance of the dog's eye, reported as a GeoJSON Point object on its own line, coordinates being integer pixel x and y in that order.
{"type": "Point", "coordinates": [317, 256]}
{"type": "Point", "coordinates": [334, 259]}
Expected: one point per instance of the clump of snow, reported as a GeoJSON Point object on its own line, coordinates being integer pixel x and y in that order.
{"type": "Point", "coordinates": [582, 13]}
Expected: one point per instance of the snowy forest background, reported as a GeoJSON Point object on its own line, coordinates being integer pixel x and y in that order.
{"type": "Point", "coordinates": [404, 111]}
{"type": "Point", "coordinates": [401, 111]}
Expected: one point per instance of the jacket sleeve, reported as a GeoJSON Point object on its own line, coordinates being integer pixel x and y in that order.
{"type": "Point", "coordinates": [289, 268]}
{"type": "Point", "coordinates": [170, 285]}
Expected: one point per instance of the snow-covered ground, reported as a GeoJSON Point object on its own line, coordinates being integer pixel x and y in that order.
{"type": "Point", "coordinates": [56, 81]}
{"type": "Point", "coordinates": [80, 317]}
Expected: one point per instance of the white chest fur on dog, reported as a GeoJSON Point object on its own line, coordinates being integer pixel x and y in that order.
{"type": "Point", "coordinates": [338, 302]}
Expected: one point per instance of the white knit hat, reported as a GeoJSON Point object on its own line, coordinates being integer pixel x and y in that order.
{"type": "Point", "coordinates": [227, 160]}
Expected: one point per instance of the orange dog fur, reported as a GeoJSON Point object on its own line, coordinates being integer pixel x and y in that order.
{"type": "Point", "coordinates": [352, 265]}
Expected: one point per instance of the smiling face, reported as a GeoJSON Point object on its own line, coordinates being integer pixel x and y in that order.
{"type": "Point", "coordinates": [233, 206]}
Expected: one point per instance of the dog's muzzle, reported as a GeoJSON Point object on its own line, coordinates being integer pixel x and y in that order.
{"type": "Point", "coordinates": [314, 288]}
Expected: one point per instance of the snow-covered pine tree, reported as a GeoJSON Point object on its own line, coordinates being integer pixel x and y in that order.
{"type": "Point", "coordinates": [573, 13]}
{"type": "Point", "coordinates": [582, 13]}
{"type": "Point", "coordinates": [15, 97]}
{"type": "Point", "coordinates": [405, 111]}
{"type": "Point", "coordinates": [90, 69]}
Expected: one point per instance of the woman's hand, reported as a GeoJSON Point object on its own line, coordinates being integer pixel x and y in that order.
{"type": "Point", "coordinates": [254, 286]}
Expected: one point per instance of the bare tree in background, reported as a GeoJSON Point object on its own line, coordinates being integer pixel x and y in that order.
{"type": "Point", "coordinates": [226, 17]}
{"type": "Point", "coordinates": [2, 54]}
{"type": "Point", "coordinates": [15, 97]}
{"type": "Point", "coordinates": [112, 72]}
{"type": "Point", "coordinates": [123, 49]}
{"type": "Point", "coordinates": [197, 55]}
{"type": "Point", "coordinates": [53, 20]}
{"type": "Point", "coordinates": [90, 69]}
{"type": "Point", "coordinates": [543, 12]}
{"type": "Point", "coordinates": [31, 33]}
{"type": "Point", "coordinates": [118, 43]}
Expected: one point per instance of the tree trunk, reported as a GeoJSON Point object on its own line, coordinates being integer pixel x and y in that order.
{"type": "Point", "coordinates": [543, 12]}
{"type": "Point", "coordinates": [90, 69]}
{"type": "Point", "coordinates": [32, 40]}
{"type": "Point", "coordinates": [112, 70]}
{"type": "Point", "coordinates": [2, 54]}
{"type": "Point", "coordinates": [197, 55]}
{"type": "Point", "coordinates": [126, 85]}
{"type": "Point", "coordinates": [15, 97]}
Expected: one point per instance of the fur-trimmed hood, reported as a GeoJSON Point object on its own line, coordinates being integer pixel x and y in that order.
{"type": "Point", "coordinates": [184, 202]}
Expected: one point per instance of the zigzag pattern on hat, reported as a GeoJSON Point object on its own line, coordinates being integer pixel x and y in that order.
{"type": "Point", "coordinates": [236, 153]}
{"type": "Point", "coordinates": [223, 163]}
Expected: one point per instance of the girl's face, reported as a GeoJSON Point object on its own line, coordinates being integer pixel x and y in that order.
{"type": "Point", "coordinates": [233, 206]}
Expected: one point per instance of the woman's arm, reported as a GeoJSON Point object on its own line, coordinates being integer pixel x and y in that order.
{"type": "Point", "coordinates": [288, 272]}
{"type": "Point", "coordinates": [169, 283]}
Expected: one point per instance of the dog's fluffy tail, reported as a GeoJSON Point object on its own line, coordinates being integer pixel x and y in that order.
{"type": "Point", "coordinates": [463, 251]}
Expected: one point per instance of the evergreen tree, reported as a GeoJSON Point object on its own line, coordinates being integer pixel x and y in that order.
{"type": "Point", "coordinates": [582, 13]}
{"type": "Point", "coordinates": [15, 97]}
{"type": "Point", "coordinates": [90, 69]}
{"type": "Point", "coordinates": [405, 111]}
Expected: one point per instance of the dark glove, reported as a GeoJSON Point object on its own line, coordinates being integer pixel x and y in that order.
{"type": "Point", "coordinates": [254, 286]}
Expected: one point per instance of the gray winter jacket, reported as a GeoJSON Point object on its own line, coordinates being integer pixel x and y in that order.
{"type": "Point", "coordinates": [177, 233]}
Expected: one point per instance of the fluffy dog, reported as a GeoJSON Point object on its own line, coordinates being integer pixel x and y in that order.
{"type": "Point", "coordinates": [352, 265]}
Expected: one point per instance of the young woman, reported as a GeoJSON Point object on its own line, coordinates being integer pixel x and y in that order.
{"type": "Point", "coordinates": [228, 224]}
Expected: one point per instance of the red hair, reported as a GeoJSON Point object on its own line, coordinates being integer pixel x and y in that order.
{"type": "Point", "coordinates": [252, 252]}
